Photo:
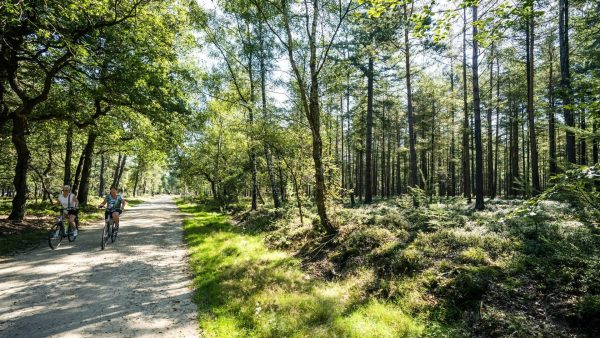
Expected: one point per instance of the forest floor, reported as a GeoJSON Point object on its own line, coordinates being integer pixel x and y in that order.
{"type": "Point", "coordinates": [137, 286]}
{"type": "Point", "coordinates": [396, 270]}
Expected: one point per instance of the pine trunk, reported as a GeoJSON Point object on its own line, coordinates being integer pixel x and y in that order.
{"type": "Point", "coordinates": [414, 176]}
{"type": "Point", "coordinates": [535, 174]}
{"type": "Point", "coordinates": [479, 205]}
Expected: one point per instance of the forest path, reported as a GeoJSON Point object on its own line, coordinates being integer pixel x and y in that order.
{"type": "Point", "coordinates": [138, 286]}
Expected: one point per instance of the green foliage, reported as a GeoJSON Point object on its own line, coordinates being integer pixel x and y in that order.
{"type": "Point", "coordinates": [574, 186]}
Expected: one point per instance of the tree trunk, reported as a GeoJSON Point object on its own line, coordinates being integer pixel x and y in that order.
{"type": "Point", "coordinates": [582, 144]}
{"type": "Point", "coordinates": [398, 144]}
{"type": "Point", "coordinates": [68, 155]}
{"type": "Point", "coordinates": [268, 156]}
{"type": "Point", "coordinates": [47, 194]}
{"type": "Point", "coordinates": [136, 181]}
{"type": "Point", "coordinates": [19, 141]}
{"type": "Point", "coordinates": [466, 172]}
{"type": "Point", "coordinates": [497, 168]}
{"type": "Point", "coordinates": [116, 172]}
{"type": "Point", "coordinates": [551, 116]}
{"type": "Point", "coordinates": [514, 152]}
{"type": "Point", "coordinates": [479, 205]}
{"type": "Point", "coordinates": [369, 135]}
{"type": "Point", "coordinates": [121, 169]}
{"type": "Point", "coordinates": [565, 77]}
{"type": "Point", "coordinates": [77, 178]}
{"type": "Point", "coordinates": [414, 176]}
{"type": "Point", "coordinates": [452, 164]}
{"type": "Point", "coordinates": [432, 146]}
{"type": "Point", "coordinates": [350, 176]}
{"type": "Point", "coordinates": [535, 174]}
{"type": "Point", "coordinates": [253, 163]}
{"type": "Point", "coordinates": [87, 168]}
{"type": "Point", "coordinates": [101, 185]}
{"type": "Point", "coordinates": [490, 145]}
{"type": "Point", "coordinates": [383, 169]}
{"type": "Point", "coordinates": [595, 144]}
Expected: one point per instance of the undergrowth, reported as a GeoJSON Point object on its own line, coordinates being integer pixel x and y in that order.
{"type": "Point", "coordinates": [485, 273]}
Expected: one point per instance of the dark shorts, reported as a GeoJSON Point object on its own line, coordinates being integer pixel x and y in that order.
{"type": "Point", "coordinates": [73, 212]}
{"type": "Point", "coordinates": [108, 212]}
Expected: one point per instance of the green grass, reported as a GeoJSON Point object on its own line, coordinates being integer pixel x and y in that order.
{"type": "Point", "coordinates": [245, 289]}
{"type": "Point", "coordinates": [132, 202]}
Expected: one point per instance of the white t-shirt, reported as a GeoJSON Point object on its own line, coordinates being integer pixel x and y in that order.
{"type": "Point", "coordinates": [64, 201]}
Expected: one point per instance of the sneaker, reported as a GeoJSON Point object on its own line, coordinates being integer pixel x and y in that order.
{"type": "Point", "coordinates": [71, 233]}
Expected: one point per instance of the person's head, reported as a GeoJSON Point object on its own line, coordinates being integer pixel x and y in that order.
{"type": "Point", "coordinates": [66, 189]}
{"type": "Point", "coordinates": [113, 190]}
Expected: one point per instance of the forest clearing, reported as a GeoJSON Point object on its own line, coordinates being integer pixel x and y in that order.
{"type": "Point", "coordinates": [355, 168]}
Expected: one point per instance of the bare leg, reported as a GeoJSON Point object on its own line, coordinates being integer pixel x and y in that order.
{"type": "Point", "coordinates": [116, 218]}
{"type": "Point", "coordinates": [72, 221]}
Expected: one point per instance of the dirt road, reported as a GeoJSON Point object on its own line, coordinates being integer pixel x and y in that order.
{"type": "Point", "coordinates": [138, 287]}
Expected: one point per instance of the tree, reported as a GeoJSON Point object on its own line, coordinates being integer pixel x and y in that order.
{"type": "Point", "coordinates": [479, 205]}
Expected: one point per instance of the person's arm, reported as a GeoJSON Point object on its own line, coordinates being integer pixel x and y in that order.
{"type": "Point", "coordinates": [123, 204]}
{"type": "Point", "coordinates": [75, 201]}
{"type": "Point", "coordinates": [102, 204]}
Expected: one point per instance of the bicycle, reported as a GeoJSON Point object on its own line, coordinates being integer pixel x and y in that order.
{"type": "Point", "coordinates": [109, 230]}
{"type": "Point", "coordinates": [57, 232]}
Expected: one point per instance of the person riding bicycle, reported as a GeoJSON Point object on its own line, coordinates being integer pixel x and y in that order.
{"type": "Point", "coordinates": [69, 203]}
{"type": "Point", "coordinates": [114, 203]}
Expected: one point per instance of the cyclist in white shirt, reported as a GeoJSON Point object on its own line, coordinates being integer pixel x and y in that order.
{"type": "Point", "coordinates": [69, 203]}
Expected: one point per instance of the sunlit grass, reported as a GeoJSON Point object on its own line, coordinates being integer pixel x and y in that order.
{"type": "Point", "coordinates": [244, 289]}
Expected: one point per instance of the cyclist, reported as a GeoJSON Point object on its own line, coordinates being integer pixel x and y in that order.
{"type": "Point", "coordinates": [69, 203]}
{"type": "Point", "coordinates": [114, 203]}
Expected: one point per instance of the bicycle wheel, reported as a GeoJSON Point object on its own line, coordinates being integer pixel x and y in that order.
{"type": "Point", "coordinates": [104, 236]}
{"type": "Point", "coordinates": [71, 235]}
{"type": "Point", "coordinates": [113, 235]}
{"type": "Point", "coordinates": [55, 236]}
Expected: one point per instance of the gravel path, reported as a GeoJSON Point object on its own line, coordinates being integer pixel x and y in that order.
{"type": "Point", "coordinates": [138, 287]}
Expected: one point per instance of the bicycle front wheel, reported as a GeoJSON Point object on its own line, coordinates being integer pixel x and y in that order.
{"type": "Point", "coordinates": [105, 236]}
{"type": "Point", "coordinates": [113, 235]}
{"type": "Point", "coordinates": [55, 236]}
{"type": "Point", "coordinates": [71, 233]}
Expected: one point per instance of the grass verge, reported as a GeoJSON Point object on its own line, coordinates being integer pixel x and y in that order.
{"type": "Point", "coordinates": [245, 289]}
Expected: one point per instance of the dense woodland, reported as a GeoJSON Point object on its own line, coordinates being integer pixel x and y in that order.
{"type": "Point", "coordinates": [318, 109]}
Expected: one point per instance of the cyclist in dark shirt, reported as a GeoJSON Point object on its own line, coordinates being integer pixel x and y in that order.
{"type": "Point", "coordinates": [115, 204]}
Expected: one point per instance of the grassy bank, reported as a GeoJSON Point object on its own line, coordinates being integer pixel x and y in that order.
{"type": "Point", "coordinates": [245, 289]}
